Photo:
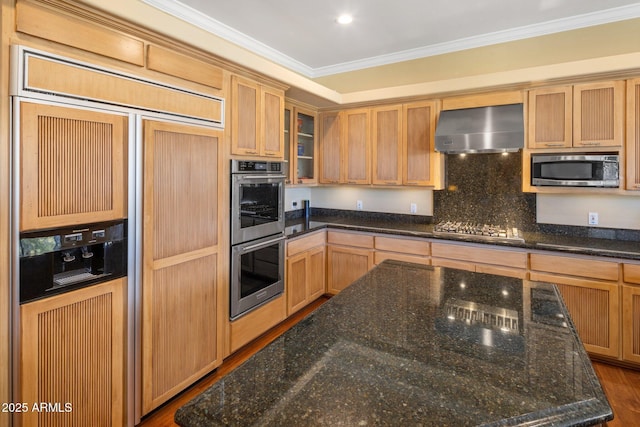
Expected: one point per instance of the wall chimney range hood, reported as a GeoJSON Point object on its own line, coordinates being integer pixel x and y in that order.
{"type": "Point", "coordinates": [495, 129]}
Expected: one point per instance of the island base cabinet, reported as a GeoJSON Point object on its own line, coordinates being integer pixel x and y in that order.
{"type": "Point", "coordinates": [631, 323]}
{"type": "Point", "coordinates": [72, 354]}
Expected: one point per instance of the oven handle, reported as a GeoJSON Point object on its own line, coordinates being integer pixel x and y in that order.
{"type": "Point", "coordinates": [262, 176]}
{"type": "Point", "coordinates": [267, 243]}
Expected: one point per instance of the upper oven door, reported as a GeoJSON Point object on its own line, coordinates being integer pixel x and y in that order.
{"type": "Point", "coordinates": [257, 206]}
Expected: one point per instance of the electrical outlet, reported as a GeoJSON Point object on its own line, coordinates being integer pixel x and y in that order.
{"type": "Point", "coordinates": [414, 208]}
{"type": "Point", "coordinates": [593, 218]}
{"type": "Point", "coordinates": [294, 204]}
{"type": "Point", "coordinates": [359, 205]}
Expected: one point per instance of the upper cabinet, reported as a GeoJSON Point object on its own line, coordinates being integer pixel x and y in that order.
{"type": "Point", "coordinates": [388, 145]}
{"type": "Point", "coordinates": [257, 119]}
{"type": "Point", "coordinates": [550, 117]}
{"type": "Point", "coordinates": [345, 147]}
{"type": "Point", "coordinates": [421, 165]}
{"type": "Point", "coordinates": [331, 148]}
{"type": "Point", "coordinates": [72, 165]}
{"type": "Point", "coordinates": [579, 116]}
{"type": "Point", "coordinates": [357, 146]}
{"type": "Point", "coordinates": [301, 149]}
{"type": "Point", "coordinates": [633, 135]}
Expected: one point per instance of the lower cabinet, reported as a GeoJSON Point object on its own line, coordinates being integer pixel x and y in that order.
{"type": "Point", "coordinates": [480, 258]}
{"type": "Point", "coordinates": [349, 257]}
{"type": "Point", "coordinates": [305, 279]}
{"type": "Point", "coordinates": [591, 292]}
{"type": "Point", "coordinates": [631, 313]}
{"type": "Point", "coordinates": [401, 249]}
{"type": "Point", "coordinates": [72, 355]}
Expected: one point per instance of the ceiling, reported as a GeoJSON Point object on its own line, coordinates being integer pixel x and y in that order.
{"type": "Point", "coordinates": [303, 35]}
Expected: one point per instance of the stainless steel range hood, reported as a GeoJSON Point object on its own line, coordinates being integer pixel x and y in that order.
{"type": "Point", "coordinates": [492, 129]}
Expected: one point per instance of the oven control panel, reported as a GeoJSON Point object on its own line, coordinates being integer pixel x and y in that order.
{"type": "Point", "coordinates": [248, 166]}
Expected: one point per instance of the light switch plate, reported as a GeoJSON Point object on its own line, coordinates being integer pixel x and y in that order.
{"type": "Point", "coordinates": [593, 218]}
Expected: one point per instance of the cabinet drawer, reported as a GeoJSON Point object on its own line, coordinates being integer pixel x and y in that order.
{"type": "Point", "coordinates": [304, 243]}
{"type": "Point", "coordinates": [631, 273]}
{"type": "Point", "coordinates": [408, 246]}
{"type": "Point", "coordinates": [350, 239]}
{"type": "Point", "coordinates": [570, 266]}
{"type": "Point", "coordinates": [381, 256]}
{"type": "Point", "coordinates": [480, 255]}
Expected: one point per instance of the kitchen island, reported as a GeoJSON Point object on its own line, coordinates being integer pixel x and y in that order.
{"type": "Point", "coordinates": [417, 345]}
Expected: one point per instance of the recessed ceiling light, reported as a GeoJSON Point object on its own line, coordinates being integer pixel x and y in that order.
{"type": "Point", "coordinates": [344, 19]}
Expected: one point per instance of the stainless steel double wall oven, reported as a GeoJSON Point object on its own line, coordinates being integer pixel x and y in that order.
{"type": "Point", "coordinates": [257, 234]}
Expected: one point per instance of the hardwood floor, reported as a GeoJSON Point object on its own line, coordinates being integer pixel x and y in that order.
{"type": "Point", "coordinates": [621, 385]}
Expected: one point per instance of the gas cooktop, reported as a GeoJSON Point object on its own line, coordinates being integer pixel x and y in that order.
{"type": "Point", "coordinates": [480, 231]}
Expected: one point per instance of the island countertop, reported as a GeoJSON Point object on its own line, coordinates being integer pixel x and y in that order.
{"type": "Point", "coordinates": [417, 345]}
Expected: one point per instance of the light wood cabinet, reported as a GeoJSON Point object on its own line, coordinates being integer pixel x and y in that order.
{"type": "Point", "coordinates": [631, 313]}
{"type": "Point", "coordinates": [73, 351]}
{"type": "Point", "coordinates": [182, 258]}
{"type": "Point", "coordinates": [387, 145]}
{"type": "Point", "coordinates": [349, 256]}
{"type": "Point", "coordinates": [631, 323]}
{"type": "Point", "coordinates": [345, 147]}
{"type": "Point", "coordinates": [357, 146]}
{"type": "Point", "coordinates": [257, 119]}
{"type": "Point", "coordinates": [580, 116]}
{"type": "Point", "coordinates": [633, 135]}
{"type": "Point", "coordinates": [598, 114]}
{"type": "Point", "coordinates": [72, 166]}
{"type": "Point", "coordinates": [480, 258]}
{"type": "Point", "coordinates": [401, 249]}
{"type": "Point", "coordinates": [331, 170]}
{"type": "Point", "coordinates": [591, 293]}
{"type": "Point", "coordinates": [421, 165]}
{"type": "Point", "coordinates": [550, 117]}
{"type": "Point", "coordinates": [301, 148]}
{"type": "Point", "coordinates": [305, 280]}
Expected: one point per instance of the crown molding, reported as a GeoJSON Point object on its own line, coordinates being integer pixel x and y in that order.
{"type": "Point", "coordinates": [223, 31]}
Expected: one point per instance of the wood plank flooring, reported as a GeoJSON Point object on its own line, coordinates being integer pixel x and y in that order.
{"type": "Point", "coordinates": [621, 385]}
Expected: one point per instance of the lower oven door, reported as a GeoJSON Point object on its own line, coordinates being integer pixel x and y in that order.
{"type": "Point", "coordinates": [257, 273]}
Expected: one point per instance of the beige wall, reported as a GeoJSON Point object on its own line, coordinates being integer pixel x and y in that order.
{"type": "Point", "coordinates": [613, 211]}
{"type": "Point", "coordinates": [373, 199]}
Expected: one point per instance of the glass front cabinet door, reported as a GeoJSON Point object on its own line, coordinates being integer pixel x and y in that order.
{"type": "Point", "coordinates": [301, 153]}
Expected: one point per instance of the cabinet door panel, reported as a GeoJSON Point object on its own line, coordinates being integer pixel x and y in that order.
{"type": "Point", "coordinates": [73, 351]}
{"type": "Point", "coordinates": [345, 265]}
{"type": "Point", "coordinates": [631, 323]}
{"type": "Point", "coordinates": [633, 135]}
{"type": "Point", "coordinates": [72, 166]}
{"type": "Point", "coordinates": [550, 117]}
{"type": "Point", "coordinates": [598, 114]}
{"type": "Point", "coordinates": [245, 103]}
{"type": "Point", "coordinates": [181, 257]}
{"type": "Point", "coordinates": [387, 145]}
{"type": "Point", "coordinates": [357, 151]}
{"type": "Point", "coordinates": [297, 277]}
{"type": "Point", "coordinates": [594, 309]}
{"type": "Point", "coordinates": [330, 148]}
{"type": "Point", "coordinates": [419, 157]}
{"type": "Point", "coordinates": [316, 282]}
{"type": "Point", "coordinates": [272, 123]}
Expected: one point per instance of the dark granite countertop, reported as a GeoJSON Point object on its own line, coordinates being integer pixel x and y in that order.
{"type": "Point", "coordinates": [540, 241]}
{"type": "Point", "coordinates": [417, 345]}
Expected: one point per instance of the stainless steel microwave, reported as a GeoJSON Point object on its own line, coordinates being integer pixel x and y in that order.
{"type": "Point", "coordinates": [575, 170]}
